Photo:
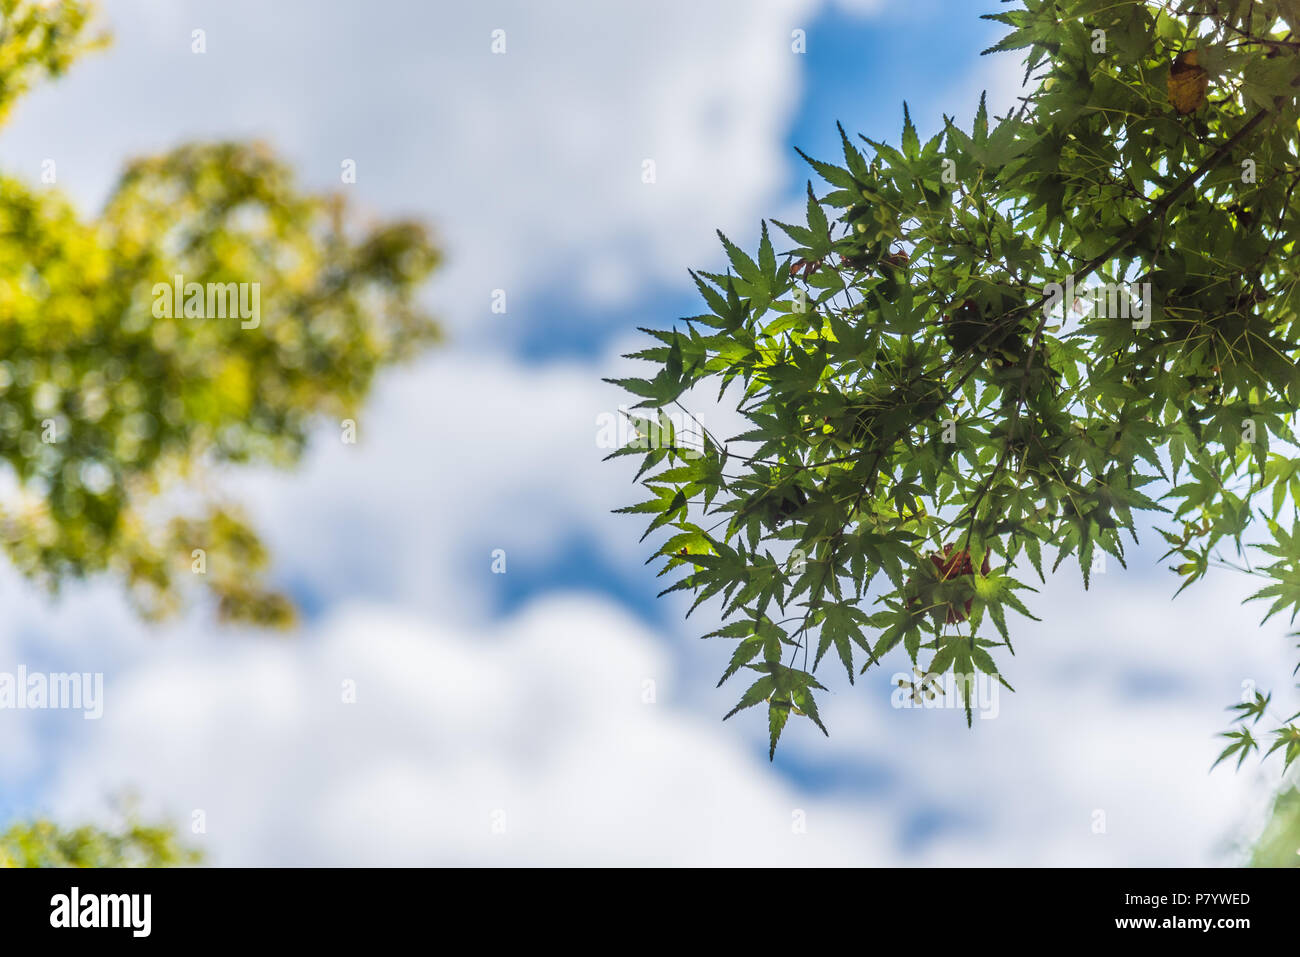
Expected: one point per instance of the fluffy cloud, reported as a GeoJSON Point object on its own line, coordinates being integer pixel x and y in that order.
{"type": "Point", "coordinates": [531, 161]}
{"type": "Point", "coordinates": [532, 741]}
{"type": "Point", "coordinates": [455, 457]}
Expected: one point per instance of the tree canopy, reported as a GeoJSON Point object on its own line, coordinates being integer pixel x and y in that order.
{"type": "Point", "coordinates": [985, 352]}
{"type": "Point", "coordinates": [120, 402]}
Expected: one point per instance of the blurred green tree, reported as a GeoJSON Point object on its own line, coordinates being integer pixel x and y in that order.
{"type": "Point", "coordinates": [211, 314]}
{"type": "Point", "coordinates": [42, 843]}
{"type": "Point", "coordinates": [1279, 845]}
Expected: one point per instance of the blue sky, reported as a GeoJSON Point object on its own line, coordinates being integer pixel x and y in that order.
{"type": "Point", "coordinates": [522, 697]}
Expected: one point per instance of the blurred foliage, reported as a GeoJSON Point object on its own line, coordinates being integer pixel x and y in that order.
{"type": "Point", "coordinates": [1279, 845]}
{"type": "Point", "coordinates": [38, 40]}
{"type": "Point", "coordinates": [43, 843]}
{"type": "Point", "coordinates": [114, 416]}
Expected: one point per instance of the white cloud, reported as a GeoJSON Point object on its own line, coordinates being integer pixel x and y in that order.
{"type": "Point", "coordinates": [529, 162]}
{"type": "Point", "coordinates": [539, 721]}
{"type": "Point", "coordinates": [459, 451]}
